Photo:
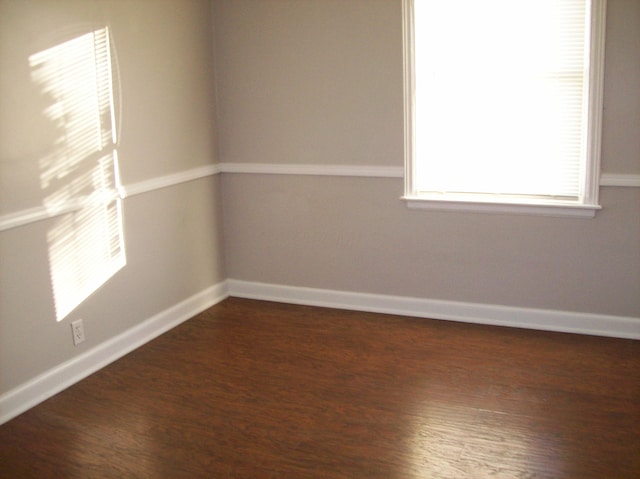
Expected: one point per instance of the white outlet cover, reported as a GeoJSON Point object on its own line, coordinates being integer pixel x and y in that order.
{"type": "Point", "coordinates": [77, 330]}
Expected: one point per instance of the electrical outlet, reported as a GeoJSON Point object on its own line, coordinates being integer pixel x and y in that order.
{"type": "Point", "coordinates": [77, 329]}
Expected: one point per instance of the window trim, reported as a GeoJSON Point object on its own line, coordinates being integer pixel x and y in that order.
{"type": "Point", "coordinates": [587, 206]}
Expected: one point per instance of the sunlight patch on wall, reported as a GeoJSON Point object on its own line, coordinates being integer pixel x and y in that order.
{"type": "Point", "coordinates": [80, 172]}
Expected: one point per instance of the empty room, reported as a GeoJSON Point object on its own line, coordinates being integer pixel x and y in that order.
{"type": "Point", "coordinates": [320, 239]}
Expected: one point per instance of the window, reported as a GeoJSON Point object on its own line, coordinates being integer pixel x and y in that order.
{"type": "Point", "coordinates": [503, 103]}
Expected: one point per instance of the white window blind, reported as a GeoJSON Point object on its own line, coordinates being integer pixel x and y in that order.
{"type": "Point", "coordinates": [503, 100]}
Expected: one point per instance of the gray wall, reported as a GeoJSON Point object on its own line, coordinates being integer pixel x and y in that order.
{"type": "Point", "coordinates": [320, 83]}
{"type": "Point", "coordinates": [167, 125]}
{"type": "Point", "coordinates": [307, 82]}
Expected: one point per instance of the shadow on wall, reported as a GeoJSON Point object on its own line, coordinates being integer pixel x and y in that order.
{"type": "Point", "coordinates": [79, 174]}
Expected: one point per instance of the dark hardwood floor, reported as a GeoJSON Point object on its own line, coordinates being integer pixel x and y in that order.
{"type": "Point", "coordinates": [253, 389]}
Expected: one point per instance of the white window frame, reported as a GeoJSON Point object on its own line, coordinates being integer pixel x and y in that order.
{"type": "Point", "coordinates": [585, 206]}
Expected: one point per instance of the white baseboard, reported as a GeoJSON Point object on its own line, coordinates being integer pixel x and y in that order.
{"type": "Point", "coordinates": [44, 386]}
{"type": "Point", "coordinates": [529, 318]}
{"type": "Point", "coordinates": [66, 374]}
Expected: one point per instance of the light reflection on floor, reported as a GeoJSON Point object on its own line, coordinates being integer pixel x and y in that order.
{"type": "Point", "coordinates": [454, 441]}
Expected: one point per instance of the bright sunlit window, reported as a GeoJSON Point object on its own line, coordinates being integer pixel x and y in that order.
{"type": "Point", "coordinates": [503, 102]}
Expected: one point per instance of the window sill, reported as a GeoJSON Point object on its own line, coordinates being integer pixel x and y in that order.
{"type": "Point", "coordinates": [531, 207]}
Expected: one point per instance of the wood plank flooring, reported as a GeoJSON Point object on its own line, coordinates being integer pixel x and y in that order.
{"type": "Point", "coordinates": [252, 389]}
